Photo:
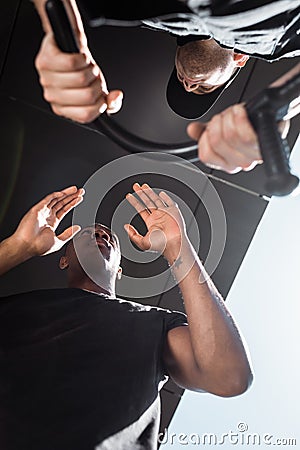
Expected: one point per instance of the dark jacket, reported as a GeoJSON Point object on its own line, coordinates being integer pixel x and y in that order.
{"type": "Point", "coordinates": [262, 29]}
{"type": "Point", "coordinates": [265, 29]}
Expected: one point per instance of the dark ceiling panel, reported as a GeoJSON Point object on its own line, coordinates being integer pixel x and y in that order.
{"type": "Point", "coordinates": [9, 12]}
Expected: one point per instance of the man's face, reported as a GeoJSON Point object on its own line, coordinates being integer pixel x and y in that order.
{"type": "Point", "coordinates": [98, 237]}
{"type": "Point", "coordinates": [95, 244]}
{"type": "Point", "coordinates": [202, 83]}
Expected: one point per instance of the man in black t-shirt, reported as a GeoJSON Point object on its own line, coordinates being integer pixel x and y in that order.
{"type": "Point", "coordinates": [80, 368]}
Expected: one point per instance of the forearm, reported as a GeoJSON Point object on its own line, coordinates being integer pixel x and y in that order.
{"type": "Point", "coordinates": [217, 345]}
{"type": "Point", "coordinates": [286, 77]}
{"type": "Point", "coordinates": [13, 253]}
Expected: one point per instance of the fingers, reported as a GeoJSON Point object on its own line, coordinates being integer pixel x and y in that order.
{"type": "Point", "coordinates": [149, 197]}
{"type": "Point", "coordinates": [61, 202]}
{"type": "Point", "coordinates": [64, 206]}
{"type": "Point", "coordinates": [81, 114]}
{"type": "Point", "coordinates": [51, 59]}
{"type": "Point", "coordinates": [238, 130]}
{"type": "Point", "coordinates": [90, 95]}
{"type": "Point", "coordinates": [229, 141]}
{"type": "Point", "coordinates": [147, 200]}
{"type": "Point", "coordinates": [75, 79]}
{"type": "Point", "coordinates": [225, 141]}
{"type": "Point", "coordinates": [82, 104]}
{"type": "Point", "coordinates": [167, 199]}
{"type": "Point", "coordinates": [58, 196]}
{"type": "Point", "coordinates": [149, 204]}
{"type": "Point", "coordinates": [207, 154]}
{"type": "Point", "coordinates": [138, 206]}
{"type": "Point", "coordinates": [195, 130]}
{"type": "Point", "coordinates": [54, 197]}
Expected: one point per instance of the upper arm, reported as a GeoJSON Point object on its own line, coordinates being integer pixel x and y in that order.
{"type": "Point", "coordinates": [179, 359]}
{"type": "Point", "coordinates": [221, 378]}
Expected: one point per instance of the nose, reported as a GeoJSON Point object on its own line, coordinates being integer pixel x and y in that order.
{"type": "Point", "coordinates": [188, 86]}
{"type": "Point", "coordinates": [100, 232]}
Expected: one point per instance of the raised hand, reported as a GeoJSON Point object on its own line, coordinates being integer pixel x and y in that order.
{"type": "Point", "coordinates": [164, 221]}
{"type": "Point", "coordinates": [36, 230]}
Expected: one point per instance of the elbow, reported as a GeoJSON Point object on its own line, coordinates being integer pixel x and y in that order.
{"type": "Point", "coordinates": [237, 383]}
{"type": "Point", "coordinates": [228, 384]}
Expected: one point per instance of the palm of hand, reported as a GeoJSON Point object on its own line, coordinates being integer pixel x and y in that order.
{"type": "Point", "coordinates": [162, 218]}
{"type": "Point", "coordinates": [37, 228]}
{"type": "Point", "coordinates": [44, 231]}
{"type": "Point", "coordinates": [164, 225]}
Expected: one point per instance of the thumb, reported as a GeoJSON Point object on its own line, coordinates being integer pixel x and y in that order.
{"type": "Point", "coordinates": [114, 101]}
{"type": "Point", "coordinates": [195, 130]}
{"type": "Point", "coordinates": [69, 233]}
{"type": "Point", "coordinates": [283, 127]}
{"type": "Point", "coordinates": [134, 236]}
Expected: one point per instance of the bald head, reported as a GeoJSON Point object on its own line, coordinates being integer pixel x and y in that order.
{"type": "Point", "coordinates": [203, 65]}
{"type": "Point", "coordinates": [203, 56]}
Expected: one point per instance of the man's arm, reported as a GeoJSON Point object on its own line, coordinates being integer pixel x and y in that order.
{"type": "Point", "coordinates": [228, 141]}
{"type": "Point", "coordinates": [209, 354]}
{"type": "Point", "coordinates": [35, 234]}
{"type": "Point", "coordinates": [73, 84]}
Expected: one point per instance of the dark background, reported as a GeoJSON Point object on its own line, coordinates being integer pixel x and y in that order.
{"type": "Point", "coordinates": [41, 152]}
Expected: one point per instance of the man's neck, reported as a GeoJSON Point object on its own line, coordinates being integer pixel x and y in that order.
{"type": "Point", "coordinates": [91, 286]}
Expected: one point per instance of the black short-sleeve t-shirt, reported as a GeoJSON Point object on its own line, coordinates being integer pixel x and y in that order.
{"type": "Point", "coordinates": [80, 371]}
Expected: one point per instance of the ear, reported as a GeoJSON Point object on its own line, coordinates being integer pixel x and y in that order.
{"type": "Point", "coordinates": [63, 263]}
{"type": "Point", "coordinates": [119, 273]}
{"type": "Point", "coordinates": [240, 59]}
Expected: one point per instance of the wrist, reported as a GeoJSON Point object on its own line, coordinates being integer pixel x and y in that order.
{"type": "Point", "coordinates": [12, 253]}
{"type": "Point", "coordinates": [19, 246]}
{"type": "Point", "coordinates": [174, 249]}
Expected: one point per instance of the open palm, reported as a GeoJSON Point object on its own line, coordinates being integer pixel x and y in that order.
{"type": "Point", "coordinates": [37, 228]}
{"type": "Point", "coordinates": [164, 221]}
